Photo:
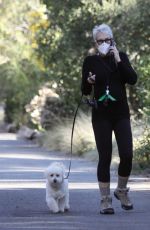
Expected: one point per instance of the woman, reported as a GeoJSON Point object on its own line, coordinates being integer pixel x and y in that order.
{"type": "Point", "coordinates": [107, 73]}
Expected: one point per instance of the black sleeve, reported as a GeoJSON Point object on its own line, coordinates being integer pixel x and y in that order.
{"type": "Point", "coordinates": [126, 71]}
{"type": "Point", "coordinates": [86, 87]}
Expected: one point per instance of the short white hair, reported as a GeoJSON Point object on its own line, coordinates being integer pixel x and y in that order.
{"type": "Point", "coordinates": [102, 28]}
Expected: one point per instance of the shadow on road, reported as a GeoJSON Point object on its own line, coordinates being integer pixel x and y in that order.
{"type": "Point", "coordinates": [22, 193]}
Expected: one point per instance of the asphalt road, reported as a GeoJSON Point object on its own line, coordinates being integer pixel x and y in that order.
{"type": "Point", "coordinates": [22, 193]}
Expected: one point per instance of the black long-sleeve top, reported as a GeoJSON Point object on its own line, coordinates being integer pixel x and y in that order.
{"type": "Point", "coordinates": [108, 73]}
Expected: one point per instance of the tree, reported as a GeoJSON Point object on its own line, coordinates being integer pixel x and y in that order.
{"type": "Point", "coordinates": [66, 41]}
{"type": "Point", "coordinates": [20, 71]}
{"type": "Point", "coordinates": [133, 33]}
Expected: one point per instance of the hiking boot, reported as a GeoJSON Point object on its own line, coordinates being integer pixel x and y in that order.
{"type": "Point", "coordinates": [122, 195]}
{"type": "Point", "coordinates": [106, 205]}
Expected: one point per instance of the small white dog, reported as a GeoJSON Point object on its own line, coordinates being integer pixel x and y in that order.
{"type": "Point", "coordinates": [57, 192]}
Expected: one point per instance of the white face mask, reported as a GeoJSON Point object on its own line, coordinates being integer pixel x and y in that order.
{"type": "Point", "coordinates": [104, 48]}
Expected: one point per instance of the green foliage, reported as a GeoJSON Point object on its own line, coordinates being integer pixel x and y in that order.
{"type": "Point", "coordinates": [53, 37]}
{"type": "Point", "coordinates": [133, 34]}
{"type": "Point", "coordinates": [21, 83]}
{"type": "Point", "coordinates": [142, 151]}
{"type": "Point", "coordinates": [47, 41]}
{"type": "Point", "coordinates": [68, 39]}
{"type": "Point", "coordinates": [143, 86]}
{"type": "Point", "coordinates": [20, 72]}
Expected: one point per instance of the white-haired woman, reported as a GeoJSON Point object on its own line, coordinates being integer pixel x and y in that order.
{"type": "Point", "coordinates": [108, 72]}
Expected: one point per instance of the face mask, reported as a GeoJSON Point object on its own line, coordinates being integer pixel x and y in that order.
{"type": "Point", "coordinates": [104, 48]}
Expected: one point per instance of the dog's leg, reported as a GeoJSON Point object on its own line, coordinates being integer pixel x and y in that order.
{"type": "Point", "coordinates": [52, 204]}
{"type": "Point", "coordinates": [61, 204]}
{"type": "Point", "coordinates": [67, 206]}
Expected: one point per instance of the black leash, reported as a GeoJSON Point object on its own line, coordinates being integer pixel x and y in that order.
{"type": "Point", "coordinates": [90, 102]}
{"type": "Point", "coordinates": [71, 152]}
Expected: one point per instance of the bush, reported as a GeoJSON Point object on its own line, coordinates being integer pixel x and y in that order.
{"type": "Point", "coordinates": [46, 108]}
{"type": "Point", "coordinates": [59, 137]}
{"type": "Point", "coordinates": [22, 80]}
{"type": "Point", "coordinates": [142, 151]}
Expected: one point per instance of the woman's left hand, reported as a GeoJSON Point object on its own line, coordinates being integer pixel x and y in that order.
{"type": "Point", "coordinates": [116, 53]}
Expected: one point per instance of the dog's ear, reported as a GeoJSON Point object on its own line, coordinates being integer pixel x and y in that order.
{"type": "Point", "coordinates": [62, 166]}
{"type": "Point", "coordinates": [46, 173]}
{"type": "Point", "coordinates": [64, 170]}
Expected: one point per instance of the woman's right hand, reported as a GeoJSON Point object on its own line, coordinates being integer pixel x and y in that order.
{"type": "Point", "coordinates": [91, 78]}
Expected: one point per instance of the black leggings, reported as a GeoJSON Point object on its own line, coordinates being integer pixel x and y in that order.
{"type": "Point", "coordinates": [103, 137]}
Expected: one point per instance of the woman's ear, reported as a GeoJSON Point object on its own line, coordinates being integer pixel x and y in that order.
{"type": "Point", "coordinates": [96, 44]}
{"type": "Point", "coordinates": [113, 43]}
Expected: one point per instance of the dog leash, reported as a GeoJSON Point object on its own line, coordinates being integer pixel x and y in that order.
{"type": "Point", "coordinates": [72, 132]}
{"type": "Point", "coordinates": [91, 103]}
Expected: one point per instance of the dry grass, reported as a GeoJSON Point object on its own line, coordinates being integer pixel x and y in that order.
{"type": "Point", "coordinates": [59, 137]}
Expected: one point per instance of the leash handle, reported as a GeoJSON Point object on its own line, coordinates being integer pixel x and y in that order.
{"type": "Point", "coordinates": [71, 147]}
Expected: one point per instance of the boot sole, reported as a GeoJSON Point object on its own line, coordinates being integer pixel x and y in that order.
{"type": "Point", "coordinates": [123, 206]}
{"type": "Point", "coordinates": [108, 211]}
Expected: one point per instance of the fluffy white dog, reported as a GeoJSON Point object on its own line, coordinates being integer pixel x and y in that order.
{"type": "Point", "coordinates": [57, 193]}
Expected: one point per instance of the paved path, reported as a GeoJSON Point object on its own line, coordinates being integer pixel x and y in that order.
{"type": "Point", "coordinates": [22, 193]}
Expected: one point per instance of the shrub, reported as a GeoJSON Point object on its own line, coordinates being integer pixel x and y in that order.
{"type": "Point", "coordinates": [59, 137]}
{"type": "Point", "coordinates": [46, 108]}
{"type": "Point", "coordinates": [142, 151]}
